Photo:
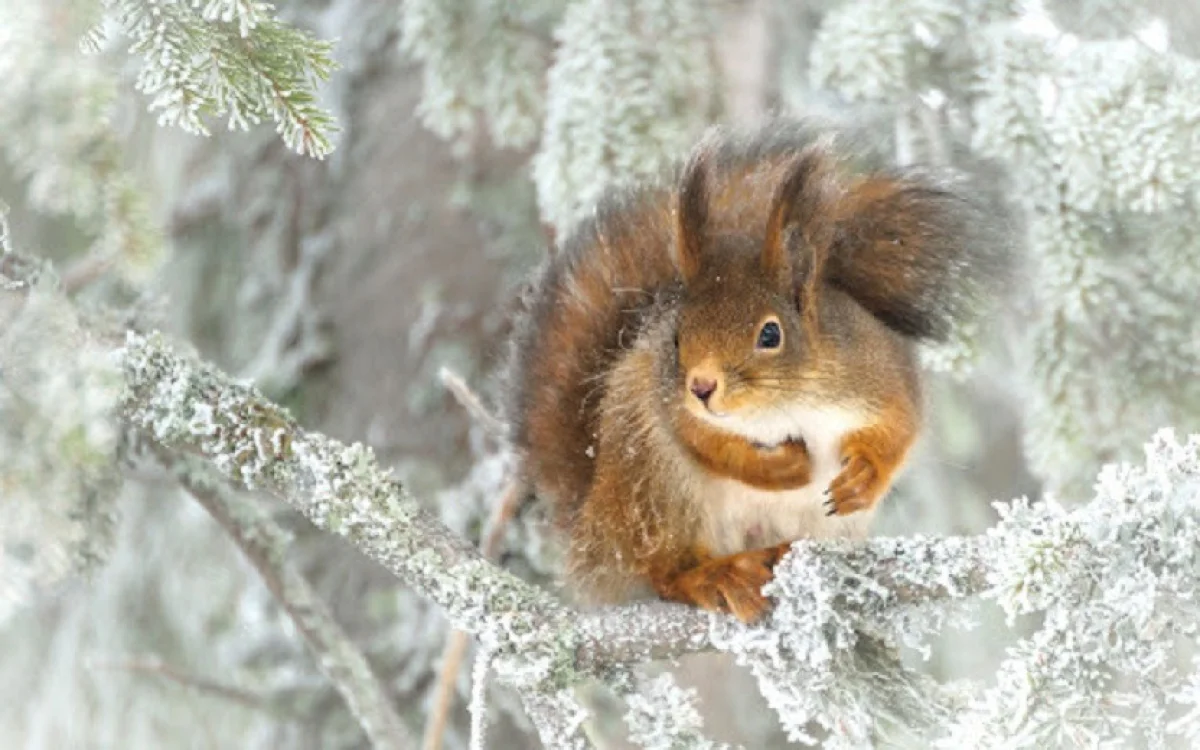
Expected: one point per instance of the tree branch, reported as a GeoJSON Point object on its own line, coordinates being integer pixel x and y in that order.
{"type": "Point", "coordinates": [263, 544]}
{"type": "Point", "coordinates": [191, 407]}
{"type": "Point", "coordinates": [467, 399]}
{"type": "Point", "coordinates": [539, 646]}
{"type": "Point", "coordinates": [157, 668]}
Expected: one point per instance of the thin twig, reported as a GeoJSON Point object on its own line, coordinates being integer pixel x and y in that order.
{"type": "Point", "coordinates": [443, 698]}
{"type": "Point", "coordinates": [5, 237]}
{"type": "Point", "coordinates": [505, 510]}
{"type": "Point", "coordinates": [468, 400]}
{"type": "Point", "coordinates": [478, 706]}
{"type": "Point", "coordinates": [85, 271]}
{"type": "Point", "coordinates": [155, 667]}
{"type": "Point", "coordinates": [455, 649]}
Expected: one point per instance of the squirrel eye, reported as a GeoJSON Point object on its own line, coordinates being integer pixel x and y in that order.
{"type": "Point", "coordinates": [770, 336]}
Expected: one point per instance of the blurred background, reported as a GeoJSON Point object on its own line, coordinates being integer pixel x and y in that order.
{"type": "Point", "coordinates": [469, 134]}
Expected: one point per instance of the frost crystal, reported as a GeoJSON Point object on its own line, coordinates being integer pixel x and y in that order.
{"type": "Point", "coordinates": [1116, 582]}
{"type": "Point", "coordinates": [663, 716]}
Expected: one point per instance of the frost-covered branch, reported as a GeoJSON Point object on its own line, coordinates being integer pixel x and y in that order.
{"type": "Point", "coordinates": [191, 407]}
{"type": "Point", "coordinates": [630, 87]}
{"type": "Point", "coordinates": [483, 60]}
{"type": "Point", "coordinates": [538, 645]}
{"type": "Point", "coordinates": [264, 545]}
{"type": "Point", "coordinates": [823, 656]}
{"type": "Point", "coordinates": [58, 443]}
{"type": "Point", "coordinates": [662, 716]}
{"type": "Point", "coordinates": [1115, 581]}
{"type": "Point", "coordinates": [232, 59]}
{"type": "Point", "coordinates": [558, 717]}
{"type": "Point", "coordinates": [1092, 116]}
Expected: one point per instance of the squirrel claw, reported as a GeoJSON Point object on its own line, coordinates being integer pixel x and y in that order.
{"type": "Point", "coordinates": [854, 488]}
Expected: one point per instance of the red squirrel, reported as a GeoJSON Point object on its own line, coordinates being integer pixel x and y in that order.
{"type": "Point", "coordinates": [711, 369]}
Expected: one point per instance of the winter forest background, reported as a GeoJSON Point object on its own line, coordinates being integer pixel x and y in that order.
{"type": "Point", "coordinates": [345, 223]}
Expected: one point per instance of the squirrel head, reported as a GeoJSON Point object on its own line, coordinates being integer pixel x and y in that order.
{"type": "Point", "coordinates": [747, 324]}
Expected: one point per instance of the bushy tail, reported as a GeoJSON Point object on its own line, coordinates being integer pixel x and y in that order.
{"type": "Point", "coordinates": [918, 251]}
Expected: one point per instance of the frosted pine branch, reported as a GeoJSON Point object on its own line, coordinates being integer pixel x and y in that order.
{"type": "Point", "coordinates": [630, 87]}
{"type": "Point", "coordinates": [58, 444]}
{"type": "Point", "coordinates": [231, 59]}
{"type": "Point", "coordinates": [1096, 125]}
{"type": "Point", "coordinates": [484, 61]}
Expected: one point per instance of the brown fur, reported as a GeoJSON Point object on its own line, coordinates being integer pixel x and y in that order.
{"type": "Point", "coordinates": [781, 467]}
{"type": "Point", "coordinates": [732, 583]}
{"type": "Point", "coordinates": [871, 456]}
{"type": "Point", "coordinates": [660, 283]}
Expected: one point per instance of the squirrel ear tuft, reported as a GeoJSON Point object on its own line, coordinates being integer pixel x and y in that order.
{"type": "Point", "coordinates": [691, 209]}
{"type": "Point", "coordinates": [797, 201]}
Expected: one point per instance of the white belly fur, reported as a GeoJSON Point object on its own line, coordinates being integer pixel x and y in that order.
{"type": "Point", "coordinates": [737, 517]}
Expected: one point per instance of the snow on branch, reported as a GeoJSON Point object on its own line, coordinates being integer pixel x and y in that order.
{"type": "Point", "coordinates": [662, 715]}
{"type": "Point", "coordinates": [58, 446]}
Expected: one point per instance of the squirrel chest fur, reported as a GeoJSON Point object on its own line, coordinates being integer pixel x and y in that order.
{"type": "Point", "coordinates": [710, 371]}
{"type": "Point", "coordinates": [736, 516]}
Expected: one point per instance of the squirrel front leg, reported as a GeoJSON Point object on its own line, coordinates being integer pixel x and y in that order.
{"type": "Point", "coordinates": [870, 458]}
{"type": "Point", "coordinates": [731, 584]}
{"type": "Point", "coordinates": [782, 467]}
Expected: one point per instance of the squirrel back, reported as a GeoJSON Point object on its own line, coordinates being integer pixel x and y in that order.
{"type": "Point", "coordinates": [899, 255]}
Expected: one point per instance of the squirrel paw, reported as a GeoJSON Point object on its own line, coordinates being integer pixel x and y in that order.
{"type": "Point", "coordinates": [855, 488]}
{"type": "Point", "coordinates": [731, 584]}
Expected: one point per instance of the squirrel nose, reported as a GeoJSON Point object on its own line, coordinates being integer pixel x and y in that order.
{"type": "Point", "coordinates": [702, 388]}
